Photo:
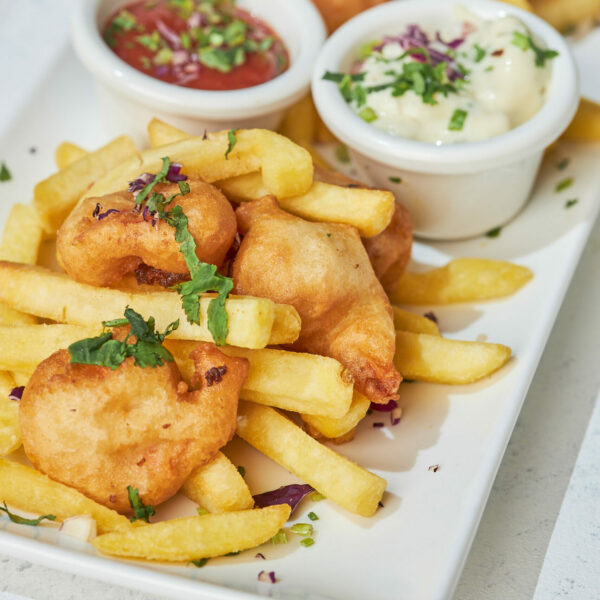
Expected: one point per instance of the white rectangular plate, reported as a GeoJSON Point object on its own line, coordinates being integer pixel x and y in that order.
{"type": "Point", "coordinates": [415, 546]}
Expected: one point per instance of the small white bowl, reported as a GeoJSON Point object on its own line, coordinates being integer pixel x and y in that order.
{"type": "Point", "coordinates": [458, 190]}
{"type": "Point", "coordinates": [130, 98]}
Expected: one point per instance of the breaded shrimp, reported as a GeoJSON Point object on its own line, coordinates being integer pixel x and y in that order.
{"type": "Point", "coordinates": [323, 270]}
{"type": "Point", "coordinates": [99, 246]}
{"type": "Point", "coordinates": [100, 430]}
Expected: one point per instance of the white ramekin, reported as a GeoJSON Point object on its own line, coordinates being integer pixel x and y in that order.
{"type": "Point", "coordinates": [457, 190]}
{"type": "Point", "coordinates": [129, 98]}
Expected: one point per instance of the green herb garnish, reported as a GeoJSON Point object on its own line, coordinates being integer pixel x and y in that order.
{"type": "Point", "coordinates": [140, 510]}
{"type": "Point", "coordinates": [479, 53]}
{"type": "Point", "coordinates": [199, 563]}
{"type": "Point", "coordinates": [571, 202]}
{"type": "Point", "coordinates": [124, 21]}
{"type": "Point", "coordinates": [279, 538]}
{"type": "Point", "coordinates": [338, 77]}
{"type": "Point", "coordinates": [151, 42]}
{"type": "Point", "coordinates": [317, 497]}
{"type": "Point", "coordinates": [105, 351]}
{"type": "Point", "coordinates": [306, 542]}
{"type": "Point", "coordinates": [563, 184]}
{"type": "Point", "coordinates": [22, 521]}
{"type": "Point", "coordinates": [312, 516]}
{"type": "Point", "coordinates": [342, 154]}
{"type": "Point", "coordinates": [201, 511]}
{"type": "Point", "coordinates": [241, 470]}
{"type": "Point", "coordinates": [563, 164]}
{"type": "Point", "coordinates": [395, 179]}
{"type": "Point", "coordinates": [526, 43]}
{"type": "Point", "coordinates": [5, 173]}
{"type": "Point", "coordinates": [367, 114]}
{"type": "Point", "coordinates": [302, 528]}
{"type": "Point", "coordinates": [232, 139]}
{"type": "Point", "coordinates": [457, 120]}
{"type": "Point", "coordinates": [494, 233]}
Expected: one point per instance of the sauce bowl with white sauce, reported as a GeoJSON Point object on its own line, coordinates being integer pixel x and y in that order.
{"type": "Point", "coordinates": [450, 105]}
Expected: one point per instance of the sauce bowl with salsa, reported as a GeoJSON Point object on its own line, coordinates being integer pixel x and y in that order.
{"type": "Point", "coordinates": [198, 64]}
{"type": "Point", "coordinates": [448, 104]}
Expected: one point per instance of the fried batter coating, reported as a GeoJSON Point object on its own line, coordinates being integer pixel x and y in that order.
{"type": "Point", "coordinates": [323, 270]}
{"type": "Point", "coordinates": [99, 430]}
{"type": "Point", "coordinates": [101, 249]}
{"type": "Point", "coordinates": [389, 252]}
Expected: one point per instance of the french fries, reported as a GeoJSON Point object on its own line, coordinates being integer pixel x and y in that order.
{"type": "Point", "coordinates": [339, 479]}
{"type": "Point", "coordinates": [218, 487]}
{"type": "Point", "coordinates": [405, 320]}
{"type": "Point", "coordinates": [370, 211]}
{"type": "Point", "coordinates": [293, 381]}
{"type": "Point", "coordinates": [461, 280]}
{"type": "Point", "coordinates": [286, 168]}
{"type": "Point", "coordinates": [54, 296]}
{"type": "Point", "coordinates": [30, 490]}
{"type": "Point", "coordinates": [55, 196]}
{"type": "Point", "coordinates": [35, 343]}
{"type": "Point", "coordinates": [436, 359]}
{"type": "Point", "coordinates": [67, 153]}
{"type": "Point", "coordinates": [197, 537]}
{"type": "Point", "coordinates": [10, 434]}
{"type": "Point", "coordinates": [585, 126]}
{"type": "Point", "coordinates": [563, 14]}
{"type": "Point", "coordinates": [10, 316]}
{"type": "Point", "coordinates": [335, 428]}
{"type": "Point", "coordinates": [161, 133]}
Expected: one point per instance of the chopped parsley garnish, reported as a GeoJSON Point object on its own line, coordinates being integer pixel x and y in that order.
{"type": "Point", "coordinates": [342, 154]}
{"type": "Point", "coordinates": [140, 510]}
{"type": "Point", "coordinates": [201, 511]}
{"type": "Point", "coordinates": [479, 53]}
{"type": "Point", "coordinates": [199, 563]}
{"type": "Point", "coordinates": [563, 184]}
{"type": "Point", "coordinates": [124, 21]}
{"type": "Point", "coordinates": [279, 538]}
{"type": "Point", "coordinates": [339, 77]}
{"type": "Point", "coordinates": [306, 542]}
{"type": "Point", "coordinates": [317, 497]}
{"type": "Point", "coordinates": [232, 142]}
{"type": "Point", "coordinates": [241, 470]}
{"type": "Point", "coordinates": [457, 120]}
{"type": "Point", "coordinates": [105, 351]}
{"type": "Point", "coordinates": [367, 114]}
{"type": "Point", "coordinates": [563, 164]}
{"type": "Point", "coordinates": [22, 521]}
{"type": "Point", "coordinates": [312, 516]}
{"type": "Point", "coordinates": [571, 202]}
{"type": "Point", "coordinates": [494, 233]}
{"type": "Point", "coordinates": [4, 173]}
{"type": "Point", "coordinates": [395, 179]}
{"type": "Point", "coordinates": [526, 43]}
{"type": "Point", "coordinates": [302, 528]}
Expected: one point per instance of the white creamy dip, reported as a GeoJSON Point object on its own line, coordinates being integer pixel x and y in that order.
{"type": "Point", "coordinates": [494, 82]}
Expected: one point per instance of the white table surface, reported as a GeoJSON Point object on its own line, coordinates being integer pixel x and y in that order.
{"type": "Point", "coordinates": [540, 533]}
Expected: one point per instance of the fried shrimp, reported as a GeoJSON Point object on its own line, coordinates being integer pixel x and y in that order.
{"type": "Point", "coordinates": [101, 430]}
{"type": "Point", "coordinates": [106, 238]}
{"type": "Point", "coordinates": [323, 270]}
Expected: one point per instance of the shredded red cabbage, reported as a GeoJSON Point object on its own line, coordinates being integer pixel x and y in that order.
{"type": "Point", "coordinates": [453, 44]}
{"type": "Point", "coordinates": [260, 555]}
{"type": "Point", "coordinates": [378, 424]}
{"type": "Point", "coordinates": [96, 214]}
{"type": "Point", "coordinates": [395, 416]}
{"type": "Point", "coordinates": [267, 576]}
{"type": "Point", "coordinates": [391, 405]}
{"type": "Point", "coordinates": [287, 494]}
{"type": "Point", "coordinates": [16, 393]}
{"type": "Point", "coordinates": [173, 175]}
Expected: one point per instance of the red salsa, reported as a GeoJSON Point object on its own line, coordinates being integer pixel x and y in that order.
{"type": "Point", "coordinates": [201, 44]}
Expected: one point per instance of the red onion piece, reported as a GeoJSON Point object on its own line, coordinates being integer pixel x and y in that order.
{"type": "Point", "coordinates": [16, 393]}
{"type": "Point", "coordinates": [108, 212]}
{"type": "Point", "coordinates": [267, 577]}
{"type": "Point", "coordinates": [168, 34]}
{"type": "Point", "coordinates": [378, 424]}
{"type": "Point", "coordinates": [287, 494]}
{"type": "Point", "coordinates": [431, 316]}
{"type": "Point", "coordinates": [391, 405]}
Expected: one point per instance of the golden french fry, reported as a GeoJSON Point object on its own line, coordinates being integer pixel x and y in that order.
{"type": "Point", "coordinates": [370, 211]}
{"type": "Point", "coordinates": [197, 537]}
{"type": "Point", "coordinates": [22, 235]}
{"type": "Point", "coordinates": [563, 14]}
{"type": "Point", "coordinates": [21, 377]}
{"type": "Point", "coordinates": [405, 320]}
{"type": "Point", "coordinates": [585, 126]}
{"type": "Point", "coordinates": [218, 487]}
{"type": "Point", "coordinates": [286, 168]}
{"type": "Point", "coordinates": [294, 381]}
{"type": "Point", "coordinates": [67, 153]}
{"type": "Point", "coordinates": [335, 428]}
{"type": "Point", "coordinates": [161, 133]}
{"type": "Point", "coordinates": [523, 4]}
{"type": "Point", "coordinates": [54, 296]}
{"type": "Point", "coordinates": [10, 434]}
{"type": "Point", "coordinates": [10, 316]}
{"type": "Point", "coordinates": [461, 280]}
{"type": "Point", "coordinates": [436, 359]}
{"type": "Point", "coordinates": [339, 479]}
{"type": "Point", "coordinates": [30, 490]}
{"type": "Point", "coordinates": [23, 347]}
{"type": "Point", "coordinates": [55, 196]}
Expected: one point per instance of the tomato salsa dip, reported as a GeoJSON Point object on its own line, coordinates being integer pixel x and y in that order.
{"type": "Point", "coordinates": [201, 44]}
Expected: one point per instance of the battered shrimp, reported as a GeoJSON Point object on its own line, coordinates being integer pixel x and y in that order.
{"type": "Point", "coordinates": [104, 239]}
{"type": "Point", "coordinates": [99, 430]}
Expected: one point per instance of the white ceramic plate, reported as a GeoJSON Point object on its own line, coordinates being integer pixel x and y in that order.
{"type": "Point", "coordinates": [415, 546]}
